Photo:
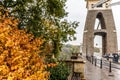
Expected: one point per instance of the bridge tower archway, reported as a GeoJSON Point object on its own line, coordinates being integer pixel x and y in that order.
{"type": "Point", "coordinates": [100, 30]}
{"type": "Point", "coordinates": [107, 31]}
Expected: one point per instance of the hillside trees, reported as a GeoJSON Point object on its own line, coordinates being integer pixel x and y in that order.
{"type": "Point", "coordinates": [43, 18]}
{"type": "Point", "coordinates": [19, 52]}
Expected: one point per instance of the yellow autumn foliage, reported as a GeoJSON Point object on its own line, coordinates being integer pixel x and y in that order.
{"type": "Point", "coordinates": [19, 52]}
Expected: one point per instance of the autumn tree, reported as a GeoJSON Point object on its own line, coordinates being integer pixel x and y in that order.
{"type": "Point", "coordinates": [44, 18]}
{"type": "Point", "coordinates": [19, 52]}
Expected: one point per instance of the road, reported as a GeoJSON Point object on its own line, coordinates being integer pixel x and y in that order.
{"type": "Point", "coordinates": [93, 72]}
{"type": "Point", "coordinates": [106, 63]}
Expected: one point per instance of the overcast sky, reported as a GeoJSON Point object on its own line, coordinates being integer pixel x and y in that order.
{"type": "Point", "coordinates": [77, 12]}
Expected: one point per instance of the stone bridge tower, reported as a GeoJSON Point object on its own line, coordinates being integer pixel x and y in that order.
{"type": "Point", "coordinates": [104, 14]}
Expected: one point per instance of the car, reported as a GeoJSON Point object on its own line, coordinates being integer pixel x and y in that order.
{"type": "Point", "coordinates": [106, 56]}
{"type": "Point", "coordinates": [115, 57]}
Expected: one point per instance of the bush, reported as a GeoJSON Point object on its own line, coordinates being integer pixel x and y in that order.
{"type": "Point", "coordinates": [59, 72]}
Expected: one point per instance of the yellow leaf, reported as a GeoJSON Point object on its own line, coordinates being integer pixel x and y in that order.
{"type": "Point", "coordinates": [16, 58]}
{"type": "Point", "coordinates": [10, 78]}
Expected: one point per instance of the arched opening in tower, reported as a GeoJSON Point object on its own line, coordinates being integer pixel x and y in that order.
{"type": "Point", "coordinates": [100, 36]}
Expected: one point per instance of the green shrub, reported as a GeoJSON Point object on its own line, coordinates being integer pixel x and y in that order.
{"type": "Point", "coordinates": [59, 72]}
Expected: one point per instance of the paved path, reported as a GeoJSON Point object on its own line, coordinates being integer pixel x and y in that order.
{"type": "Point", "coordinates": [95, 73]}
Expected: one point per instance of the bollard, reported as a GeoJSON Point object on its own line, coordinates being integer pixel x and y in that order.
{"type": "Point", "coordinates": [95, 61]}
{"type": "Point", "coordinates": [110, 67]}
{"type": "Point", "coordinates": [101, 63]}
{"type": "Point", "coordinates": [86, 57]}
{"type": "Point", "coordinates": [92, 59]}
{"type": "Point", "coordinates": [110, 59]}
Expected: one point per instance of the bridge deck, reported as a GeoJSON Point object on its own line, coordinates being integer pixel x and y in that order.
{"type": "Point", "coordinates": [95, 73]}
